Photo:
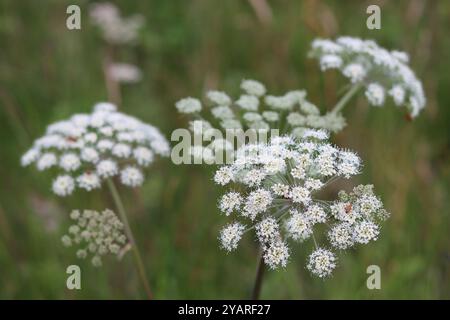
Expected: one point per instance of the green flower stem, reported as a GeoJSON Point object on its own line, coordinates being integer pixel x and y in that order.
{"type": "Point", "coordinates": [346, 98]}
{"type": "Point", "coordinates": [136, 253]}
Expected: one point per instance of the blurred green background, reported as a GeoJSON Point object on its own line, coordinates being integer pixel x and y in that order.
{"type": "Point", "coordinates": [48, 72]}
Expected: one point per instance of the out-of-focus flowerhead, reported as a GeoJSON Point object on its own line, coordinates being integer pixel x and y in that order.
{"type": "Point", "coordinates": [273, 190]}
{"type": "Point", "coordinates": [115, 28]}
{"type": "Point", "coordinates": [86, 149]}
{"type": "Point", "coordinates": [96, 234]}
{"type": "Point", "coordinates": [125, 73]}
{"type": "Point", "coordinates": [256, 109]}
{"type": "Point", "coordinates": [383, 73]}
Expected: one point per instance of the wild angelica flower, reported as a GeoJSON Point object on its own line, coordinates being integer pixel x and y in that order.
{"type": "Point", "coordinates": [275, 194]}
{"type": "Point", "coordinates": [96, 234]}
{"type": "Point", "coordinates": [115, 28]}
{"type": "Point", "coordinates": [322, 262]}
{"type": "Point", "coordinates": [88, 148]}
{"type": "Point", "coordinates": [256, 109]}
{"type": "Point", "coordinates": [381, 72]}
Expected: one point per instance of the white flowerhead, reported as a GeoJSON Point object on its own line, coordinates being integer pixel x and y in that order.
{"type": "Point", "coordinates": [276, 194]}
{"type": "Point", "coordinates": [341, 236]}
{"type": "Point", "coordinates": [230, 236]}
{"type": "Point", "coordinates": [253, 87]}
{"type": "Point", "coordinates": [276, 254]}
{"type": "Point", "coordinates": [375, 94]}
{"type": "Point", "coordinates": [355, 72]}
{"type": "Point", "coordinates": [189, 105]}
{"type": "Point", "coordinates": [369, 65]}
{"type": "Point", "coordinates": [365, 231]}
{"type": "Point", "coordinates": [63, 185]}
{"type": "Point", "coordinates": [248, 102]}
{"type": "Point", "coordinates": [298, 226]}
{"type": "Point", "coordinates": [330, 61]}
{"type": "Point", "coordinates": [218, 98]}
{"type": "Point", "coordinates": [267, 230]}
{"type": "Point", "coordinates": [255, 109]}
{"type": "Point", "coordinates": [88, 148]}
{"type": "Point", "coordinates": [322, 262]}
{"type": "Point", "coordinates": [115, 28]}
{"type": "Point", "coordinates": [230, 202]}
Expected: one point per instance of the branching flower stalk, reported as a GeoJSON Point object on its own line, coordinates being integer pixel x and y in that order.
{"type": "Point", "coordinates": [346, 98]}
{"type": "Point", "coordinates": [278, 183]}
{"type": "Point", "coordinates": [87, 150]}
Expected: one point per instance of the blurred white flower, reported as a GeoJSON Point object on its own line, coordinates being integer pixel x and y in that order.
{"type": "Point", "coordinates": [97, 234]}
{"type": "Point", "coordinates": [115, 28]}
{"type": "Point", "coordinates": [255, 110]}
{"type": "Point", "coordinates": [125, 73]}
{"type": "Point", "coordinates": [91, 147]}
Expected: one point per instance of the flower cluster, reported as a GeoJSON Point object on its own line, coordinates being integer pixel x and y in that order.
{"type": "Point", "coordinates": [383, 73]}
{"type": "Point", "coordinates": [115, 29]}
{"type": "Point", "coordinates": [97, 233]}
{"type": "Point", "coordinates": [89, 148]}
{"type": "Point", "coordinates": [255, 109]}
{"type": "Point", "coordinates": [276, 184]}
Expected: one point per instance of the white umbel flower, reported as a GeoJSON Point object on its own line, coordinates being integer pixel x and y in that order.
{"type": "Point", "coordinates": [189, 105]}
{"type": "Point", "coordinates": [355, 72]}
{"type": "Point", "coordinates": [223, 176]}
{"type": "Point", "coordinates": [253, 87]}
{"type": "Point", "coordinates": [107, 168]}
{"type": "Point", "coordinates": [365, 231]}
{"type": "Point", "coordinates": [96, 146]}
{"type": "Point", "coordinates": [70, 162]}
{"type": "Point", "coordinates": [230, 202]}
{"type": "Point", "coordinates": [46, 161]}
{"type": "Point", "coordinates": [132, 177]}
{"type": "Point", "coordinates": [330, 61]}
{"type": "Point", "coordinates": [276, 185]}
{"type": "Point", "coordinates": [248, 102]}
{"type": "Point", "coordinates": [121, 150]}
{"type": "Point", "coordinates": [230, 236]}
{"type": "Point", "coordinates": [322, 262]}
{"type": "Point", "coordinates": [63, 185]}
{"type": "Point", "coordinates": [316, 214]}
{"type": "Point", "coordinates": [341, 236]}
{"type": "Point", "coordinates": [300, 195]}
{"type": "Point", "coordinates": [281, 190]}
{"type": "Point", "coordinates": [267, 230]}
{"type": "Point", "coordinates": [298, 226]}
{"type": "Point", "coordinates": [89, 154]}
{"type": "Point", "coordinates": [218, 98]}
{"type": "Point", "coordinates": [115, 28]}
{"type": "Point", "coordinates": [375, 94]}
{"type": "Point", "coordinates": [398, 94]}
{"type": "Point", "coordinates": [276, 254]}
{"type": "Point", "coordinates": [257, 202]}
{"type": "Point", "coordinates": [144, 156]}
{"type": "Point", "coordinates": [88, 181]}
{"type": "Point", "coordinates": [366, 64]}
